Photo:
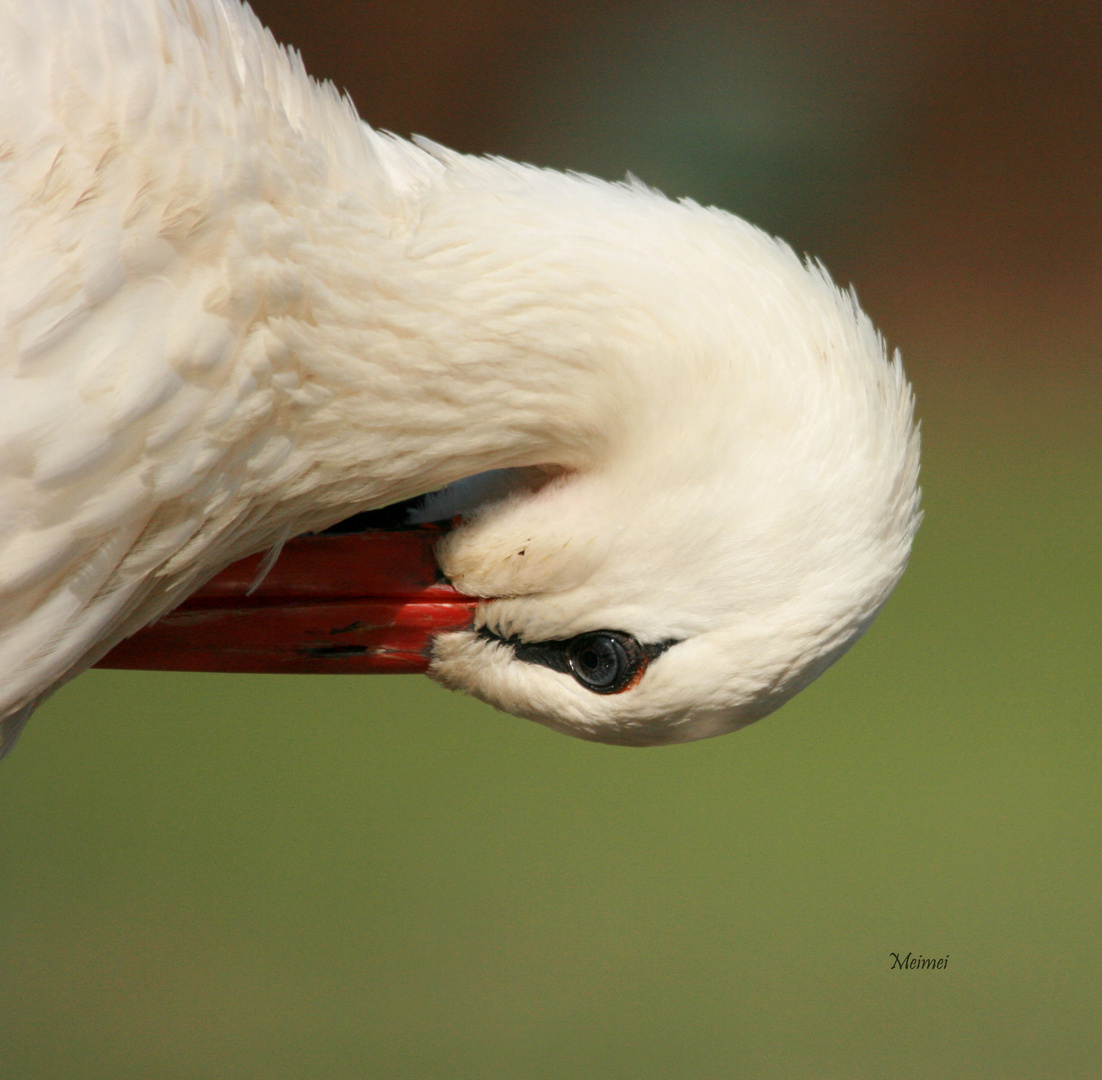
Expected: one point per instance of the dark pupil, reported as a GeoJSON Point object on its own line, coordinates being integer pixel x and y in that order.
{"type": "Point", "coordinates": [598, 660]}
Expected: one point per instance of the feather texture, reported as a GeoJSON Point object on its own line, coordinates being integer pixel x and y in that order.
{"type": "Point", "coordinates": [230, 311]}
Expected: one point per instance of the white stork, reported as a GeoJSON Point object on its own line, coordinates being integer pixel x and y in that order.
{"type": "Point", "coordinates": [233, 313]}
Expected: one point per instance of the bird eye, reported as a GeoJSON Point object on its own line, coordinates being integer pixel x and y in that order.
{"type": "Point", "coordinates": [604, 661]}
{"type": "Point", "coordinates": [600, 661]}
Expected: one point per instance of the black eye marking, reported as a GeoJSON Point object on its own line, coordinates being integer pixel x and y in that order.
{"type": "Point", "coordinates": [604, 661]}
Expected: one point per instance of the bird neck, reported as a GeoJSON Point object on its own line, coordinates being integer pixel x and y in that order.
{"type": "Point", "coordinates": [398, 369]}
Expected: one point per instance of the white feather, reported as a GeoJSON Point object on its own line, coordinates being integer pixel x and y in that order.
{"type": "Point", "coordinates": [230, 311]}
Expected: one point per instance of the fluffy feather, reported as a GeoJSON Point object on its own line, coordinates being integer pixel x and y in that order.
{"type": "Point", "coordinates": [231, 311]}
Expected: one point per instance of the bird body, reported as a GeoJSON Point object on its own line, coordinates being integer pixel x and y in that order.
{"type": "Point", "coordinates": [233, 313]}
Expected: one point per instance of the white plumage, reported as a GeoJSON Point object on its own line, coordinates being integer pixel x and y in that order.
{"type": "Point", "coordinates": [231, 312]}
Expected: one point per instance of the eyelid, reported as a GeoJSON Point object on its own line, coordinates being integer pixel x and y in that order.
{"type": "Point", "coordinates": [554, 654]}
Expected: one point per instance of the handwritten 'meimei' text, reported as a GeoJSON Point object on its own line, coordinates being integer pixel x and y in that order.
{"type": "Point", "coordinates": [910, 962]}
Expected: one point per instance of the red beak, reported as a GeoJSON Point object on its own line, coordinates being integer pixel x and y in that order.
{"type": "Point", "coordinates": [357, 603]}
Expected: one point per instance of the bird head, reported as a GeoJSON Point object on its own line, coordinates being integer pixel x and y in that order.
{"type": "Point", "coordinates": [731, 523]}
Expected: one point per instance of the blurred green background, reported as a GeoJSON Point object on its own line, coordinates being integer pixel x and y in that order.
{"type": "Point", "coordinates": [285, 877]}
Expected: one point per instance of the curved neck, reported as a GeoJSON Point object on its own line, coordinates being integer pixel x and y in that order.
{"type": "Point", "coordinates": [402, 370]}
